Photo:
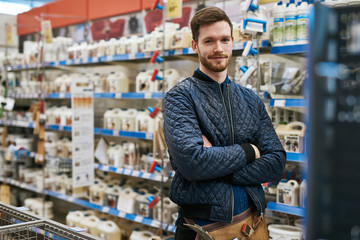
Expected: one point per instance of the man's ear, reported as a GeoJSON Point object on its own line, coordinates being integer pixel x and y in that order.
{"type": "Point", "coordinates": [194, 45]}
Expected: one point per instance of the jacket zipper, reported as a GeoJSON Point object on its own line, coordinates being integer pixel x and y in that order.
{"type": "Point", "coordinates": [257, 199]}
{"type": "Point", "coordinates": [227, 116]}
{"type": "Point", "coordinates": [231, 120]}
{"type": "Point", "coordinates": [231, 141]}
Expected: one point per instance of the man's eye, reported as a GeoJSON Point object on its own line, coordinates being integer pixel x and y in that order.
{"type": "Point", "coordinates": [226, 40]}
{"type": "Point", "coordinates": [208, 41]}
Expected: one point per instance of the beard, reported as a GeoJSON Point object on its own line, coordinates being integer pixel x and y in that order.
{"type": "Point", "coordinates": [215, 66]}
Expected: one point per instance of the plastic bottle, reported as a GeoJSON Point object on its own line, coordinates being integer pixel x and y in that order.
{"type": "Point", "coordinates": [97, 193]}
{"type": "Point", "coordinates": [90, 223]}
{"type": "Point", "coordinates": [112, 196]}
{"type": "Point", "coordinates": [140, 235]}
{"type": "Point", "coordinates": [127, 200]}
{"type": "Point", "coordinates": [279, 24]}
{"type": "Point", "coordinates": [74, 218]}
{"type": "Point", "coordinates": [118, 82]}
{"type": "Point", "coordinates": [290, 23]}
{"type": "Point", "coordinates": [144, 123]}
{"type": "Point", "coordinates": [128, 120]}
{"type": "Point", "coordinates": [302, 23]}
{"type": "Point", "coordinates": [109, 230]}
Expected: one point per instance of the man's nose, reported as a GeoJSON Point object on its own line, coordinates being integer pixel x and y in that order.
{"type": "Point", "coordinates": [218, 47]}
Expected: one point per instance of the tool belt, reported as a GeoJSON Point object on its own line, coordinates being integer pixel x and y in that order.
{"type": "Point", "coordinates": [245, 226]}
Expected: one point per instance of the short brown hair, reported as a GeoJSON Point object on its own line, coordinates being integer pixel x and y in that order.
{"type": "Point", "coordinates": [206, 16]}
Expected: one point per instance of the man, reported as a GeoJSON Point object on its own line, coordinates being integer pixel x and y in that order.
{"type": "Point", "coordinates": [221, 142]}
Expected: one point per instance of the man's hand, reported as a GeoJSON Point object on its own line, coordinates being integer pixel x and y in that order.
{"type": "Point", "coordinates": [206, 142]}
{"type": "Point", "coordinates": [257, 152]}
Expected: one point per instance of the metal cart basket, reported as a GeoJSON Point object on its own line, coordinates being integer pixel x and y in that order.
{"type": "Point", "coordinates": [16, 224]}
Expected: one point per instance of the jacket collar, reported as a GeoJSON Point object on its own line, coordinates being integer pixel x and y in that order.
{"type": "Point", "coordinates": [203, 77]}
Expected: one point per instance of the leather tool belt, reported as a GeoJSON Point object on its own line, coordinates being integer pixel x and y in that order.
{"type": "Point", "coordinates": [245, 226]}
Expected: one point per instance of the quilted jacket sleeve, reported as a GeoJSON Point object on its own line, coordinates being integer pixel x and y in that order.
{"type": "Point", "coordinates": [185, 144]}
{"type": "Point", "coordinates": [270, 166]}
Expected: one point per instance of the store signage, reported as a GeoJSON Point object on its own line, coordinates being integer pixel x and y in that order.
{"type": "Point", "coordinates": [47, 31]}
{"type": "Point", "coordinates": [8, 34]}
{"type": "Point", "coordinates": [82, 132]}
{"type": "Point", "coordinates": [173, 9]}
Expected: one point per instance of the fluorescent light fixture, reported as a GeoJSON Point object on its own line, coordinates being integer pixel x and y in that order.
{"type": "Point", "coordinates": [13, 8]}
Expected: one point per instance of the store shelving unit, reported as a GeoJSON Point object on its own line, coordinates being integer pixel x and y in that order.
{"type": "Point", "coordinates": [132, 217]}
{"type": "Point", "coordinates": [239, 46]}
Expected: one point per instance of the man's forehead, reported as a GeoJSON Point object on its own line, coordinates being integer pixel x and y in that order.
{"type": "Point", "coordinates": [206, 31]}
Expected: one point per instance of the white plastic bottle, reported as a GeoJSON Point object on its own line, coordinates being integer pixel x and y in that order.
{"type": "Point", "coordinates": [302, 23]}
{"type": "Point", "coordinates": [290, 23]}
{"type": "Point", "coordinates": [90, 223]}
{"type": "Point", "coordinates": [109, 230]}
{"type": "Point", "coordinates": [279, 24]}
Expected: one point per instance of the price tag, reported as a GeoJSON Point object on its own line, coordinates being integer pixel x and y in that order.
{"type": "Point", "coordinates": [119, 170]}
{"type": "Point", "coordinates": [118, 95]}
{"type": "Point", "coordinates": [70, 199]}
{"type": "Point", "coordinates": [122, 214]}
{"type": "Point", "coordinates": [174, 9]}
{"type": "Point", "coordinates": [131, 55]}
{"type": "Point", "coordinates": [146, 175]}
{"type": "Point", "coordinates": [61, 127]}
{"type": "Point", "coordinates": [68, 62]}
{"type": "Point", "coordinates": [116, 133]}
{"type": "Point", "coordinates": [147, 95]}
{"type": "Point", "coordinates": [61, 95]}
{"type": "Point", "coordinates": [109, 58]}
{"type": "Point", "coordinates": [279, 103]}
{"type": "Point", "coordinates": [135, 173]}
{"type": "Point", "coordinates": [95, 59]}
{"type": "Point", "coordinates": [138, 219]}
{"type": "Point", "coordinates": [155, 224]}
{"type": "Point", "coordinates": [77, 61]}
{"type": "Point", "coordinates": [105, 168]}
{"type": "Point", "coordinates": [149, 135]}
{"type": "Point", "coordinates": [158, 178]}
{"type": "Point", "coordinates": [127, 171]}
{"type": "Point", "coordinates": [105, 209]}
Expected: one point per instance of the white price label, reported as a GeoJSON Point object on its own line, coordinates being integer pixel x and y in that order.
{"type": "Point", "coordinates": [155, 224]}
{"type": "Point", "coordinates": [135, 173]}
{"type": "Point", "coordinates": [109, 58]}
{"type": "Point", "coordinates": [127, 171]}
{"type": "Point", "coordinates": [279, 103]}
{"type": "Point", "coordinates": [61, 95]}
{"type": "Point", "coordinates": [116, 133]}
{"type": "Point", "coordinates": [119, 170]}
{"type": "Point", "coordinates": [138, 219]}
{"type": "Point", "coordinates": [68, 62]}
{"type": "Point", "coordinates": [77, 229]}
{"type": "Point", "coordinates": [70, 199]}
{"type": "Point", "coordinates": [94, 59]}
{"type": "Point", "coordinates": [77, 61]}
{"type": "Point", "coordinates": [105, 168]}
{"type": "Point", "coordinates": [122, 214]}
{"type": "Point", "coordinates": [105, 209]}
{"type": "Point", "coordinates": [147, 95]}
{"type": "Point", "coordinates": [149, 136]}
{"type": "Point", "coordinates": [146, 175]}
{"type": "Point", "coordinates": [158, 178]}
{"type": "Point", "coordinates": [118, 95]}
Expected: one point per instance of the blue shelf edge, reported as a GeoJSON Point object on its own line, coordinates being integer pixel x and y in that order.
{"type": "Point", "coordinates": [288, 102]}
{"type": "Point", "coordinates": [298, 211]}
{"type": "Point", "coordinates": [296, 157]}
{"type": "Point", "coordinates": [129, 172]}
{"type": "Point", "coordinates": [290, 49]}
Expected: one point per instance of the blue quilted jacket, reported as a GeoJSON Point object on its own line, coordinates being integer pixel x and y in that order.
{"type": "Point", "coordinates": [230, 119]}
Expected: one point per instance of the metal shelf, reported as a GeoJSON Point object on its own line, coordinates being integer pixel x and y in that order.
{"type": "Point", "coordinates": [130, 172]}
{"type": "Point", "coordinates": [298, 211]}
{"type": "Point", "coordinates": [126, 57]}
{"type": "Point", "coordinates": [296, 157]}
{"type": "Point", "coordinates": [130, 95]}
{"type": "Point", "coordinates": [87, 204]}
{"type": "Point", "coordinates": [291, 49]}
{"type": "Point", "coordinates": [99, 131]}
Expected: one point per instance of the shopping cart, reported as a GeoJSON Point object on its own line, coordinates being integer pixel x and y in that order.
{"type": "Point", "coordinates": [16, 224]}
